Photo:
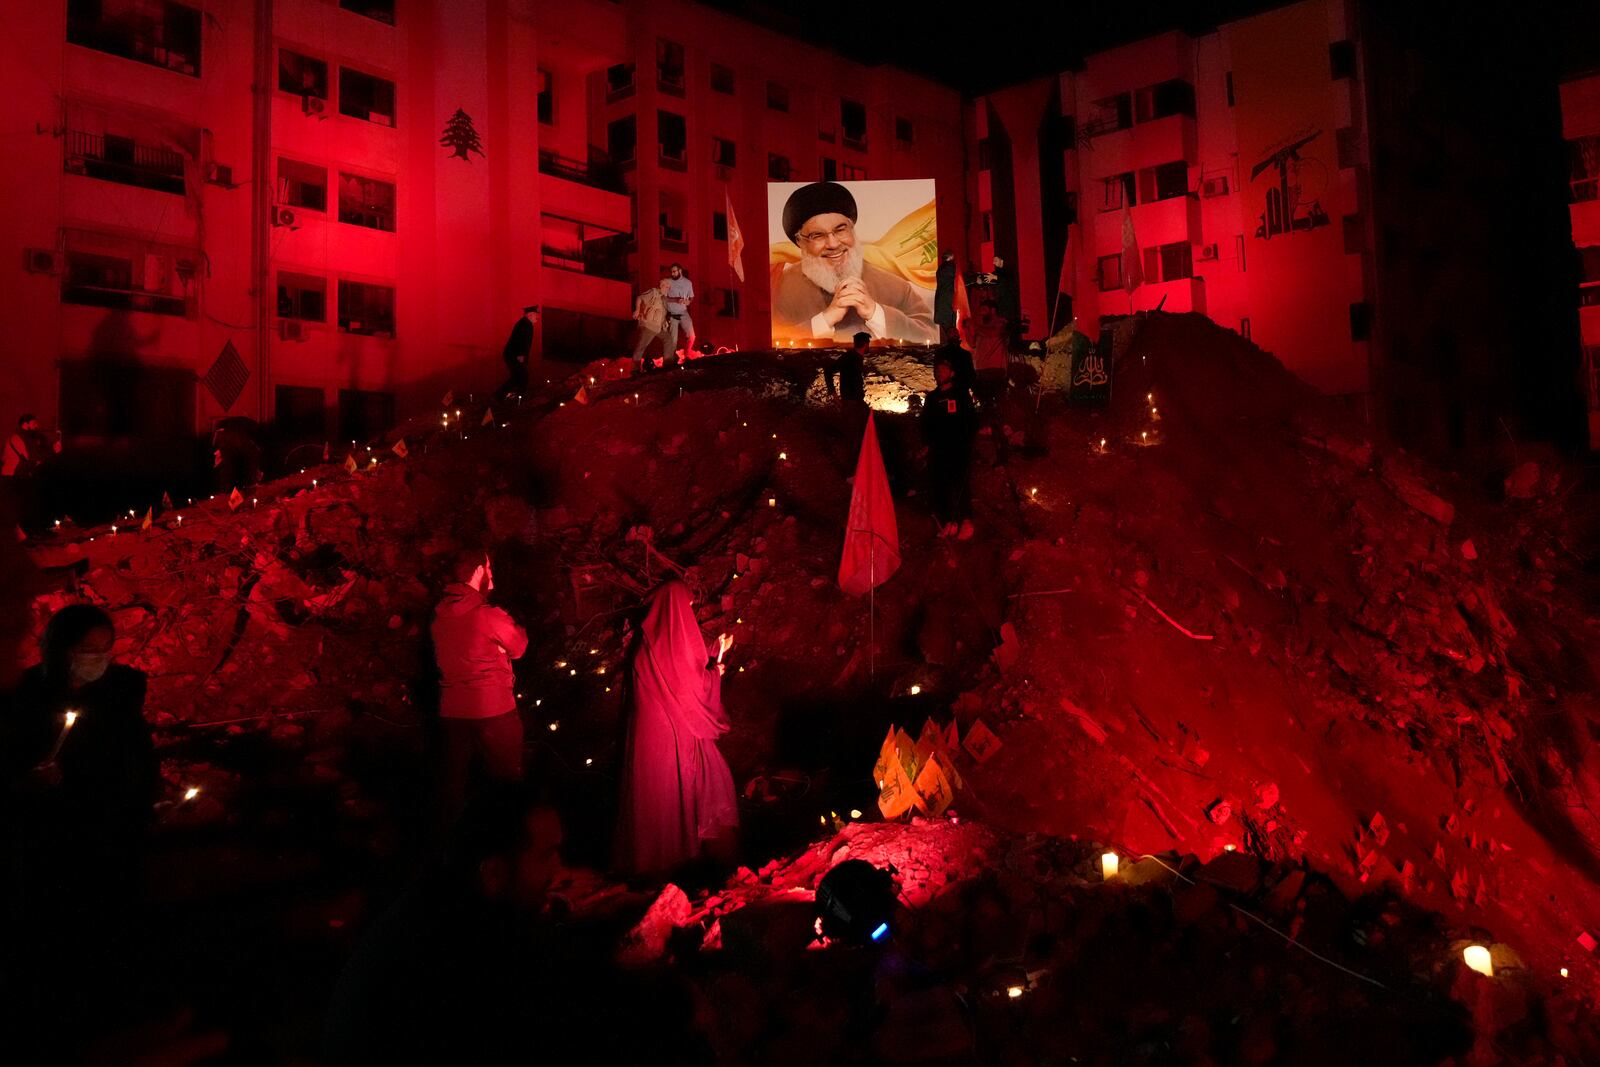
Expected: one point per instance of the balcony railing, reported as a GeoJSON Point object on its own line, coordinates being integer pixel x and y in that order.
{"type": "Point", "coordinates": [126, 162]}
{"type": "Point", "coordinates": [1585, 189]}
{"type": "Point", "coordinates": [598, 173]}
{"type": "Point", "coordinates": [673, 239]}
{"type": "Point", "coordinates": [170, 41]}
{"type": "Point", "coordinates": [601, 258]}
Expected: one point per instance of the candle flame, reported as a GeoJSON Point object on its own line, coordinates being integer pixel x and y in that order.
{"type": "Point", "coordinates": [192, 792]}
{"type": "Point", "coordinates": [72, 717]}
{"type": "Point", "coordinates": [1109, 862]}
{"type": "Point", "coordinates": [916, 690]}
{"type": "Point", "coordinates": [1477, 957]}
{"type": "Point", "coordinates": [1014, 992]}
{"type": "Point", "coordinates": [554, 727]}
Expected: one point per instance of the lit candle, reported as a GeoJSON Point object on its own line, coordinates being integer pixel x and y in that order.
{"type": "Point", "coordinates": [1014, 992]}
{"type": "Point", "coordinates": [190, 793]}
{"type": "Point", "coordinates": [1563, 972]}
{"type": "Point", "coordinates": [855, 813]}
{"type": "Point", "coordinates": [772, 502]}
{"type": "Point", "coordinates": [916, 690]}
{"type": "Point", "coordinates": [783, 455]}
{"type": "Point", "coordinates": [1477, 957]}
{"type": "Point", "coordinates": [113, 529]}
{"type": "Point", "coordinates": [554, 727]}
{"type": "Point", "coordinates": [66, 725]}
{"type": "Point", "coordinates": [588, 763]}
{"type": "Point", "coordinates": [1033, 492]}
{"type": "Point", "coordinates": [1108, 865]}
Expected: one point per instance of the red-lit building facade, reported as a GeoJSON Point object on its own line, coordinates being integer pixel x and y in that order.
{"type": "Point", "coordinates": [1580, 115]}
{"type": "Point", "coordinates": [1240, 157]}
{"type": "Point", "coordinates": [348, 244]}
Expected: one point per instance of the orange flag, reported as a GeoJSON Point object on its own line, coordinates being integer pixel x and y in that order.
{"type": "Point", "coordinates": [871, 535]}
{"type": "Point", "coordinates": [963, 309]}
{"type": "Point", "coordinates": [735, 240]}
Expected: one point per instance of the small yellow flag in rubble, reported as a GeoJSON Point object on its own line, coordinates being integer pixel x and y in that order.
{"type": "Point", "coordinates": [235, 498]}
{"type": "Point", "coordinates": [583, 394]}
{"type": "Point", "coordinates": [488, 417]}
{"type": "Point", "coordinates": [149, 518]}
{"type": "Point", "coordinates": [400, 448]}
{"type": "Point", "coordinates": [350, 463]}
{"type": "Point", "coordinates": [449, 397]}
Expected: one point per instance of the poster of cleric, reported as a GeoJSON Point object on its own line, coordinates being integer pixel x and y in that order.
{"type": "Point", "coordinates": [848, 257]}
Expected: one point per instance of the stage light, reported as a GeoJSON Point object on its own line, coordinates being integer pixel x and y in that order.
{"type": "Point", "coordinates": [855, 901]}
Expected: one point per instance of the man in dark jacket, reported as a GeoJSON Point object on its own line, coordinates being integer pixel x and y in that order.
{"type": "Point", "coordinates": [850, 370]}
{"type": "Point", "coordinates": [473, 645]}
{"type": "Point", "coordinates": [944, 296]}
{"type": "Point", "coordinates": [949, 423]}
{"type": "Point", "coordinates": [519, 346]}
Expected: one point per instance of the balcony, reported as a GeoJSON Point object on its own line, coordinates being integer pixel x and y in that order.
{"type": "Point", "coordinates": [592, 193]}
{"type": "Point", "coordinates": [125, 161]}
{"type": "Point", "coordinates": [588, 294]}
{"type": "Point", "coordinates": [169, 40]}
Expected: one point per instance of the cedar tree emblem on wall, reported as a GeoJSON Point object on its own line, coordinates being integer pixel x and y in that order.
{"type": "Point", "coordinates": [461, 136]}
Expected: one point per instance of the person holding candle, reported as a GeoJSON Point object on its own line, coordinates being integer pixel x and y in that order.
{"type": "Point", "coordinates": [678, 797]}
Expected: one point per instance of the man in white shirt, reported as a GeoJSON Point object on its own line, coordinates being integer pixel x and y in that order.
{"type": "Point", "coordinates": [650, 312]}
{"type": "Point", "coordinates": [680, 293]}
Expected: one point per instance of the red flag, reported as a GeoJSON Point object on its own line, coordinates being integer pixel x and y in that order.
{"type": "Point", "coordinates": [1132, 264]}
{"type": "Point", "coordinates": [735, 239]}
{"type": "Point", "coordinates": [1068, 284]}
{"type": "Point", "coordinates": [871, 535]}
{"type": "Point", "coordinates": [963, 310]}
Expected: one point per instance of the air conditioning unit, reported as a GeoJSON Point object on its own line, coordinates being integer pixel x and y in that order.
{"type": "Point", "coordinates": [282, 216]}
{"type": "Point", "coordinates": [43, 261]}
{"type": "Point", "coordinates": [314, 105]}
{"type": "Point", "coordinates": [1208, 251]}
{"type": "Point", "coordinates": [219, 174]}
{"type": "Point", "coordinates": [291, 330]}
{"type": "Point", "coordinates": [1215, 187]}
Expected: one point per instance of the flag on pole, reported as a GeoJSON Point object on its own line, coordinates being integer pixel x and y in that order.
{"type": "Point", "coordinates": [962, 308]}
{"type": "Point", "coordinates": [488, 417]}
{"type": "Point", "coordinates": [1068, 284]}
{"type": "Point", "coordinates": [735, 239]}
{"type": "Point", "coordinates": [235, 498]}
{"type": "Point", "coordinates": [871, 535]}
{"type": "Point", "coordinates": [350, 463]}
{"type": "Point", "coordinates": [166, 502]}
{"type": "Point", "coordinates": [149, 518]}
{"type": "Point", "coordinates": [449, 398]}
{"type": "Point", "coordinates": [400, 448]}
{"type": "Point", "coordinates": [1132, 263]}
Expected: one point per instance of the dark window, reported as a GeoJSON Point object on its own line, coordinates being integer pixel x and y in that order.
{"type": "Point", "coordinates": [300, 414]}
{"type": "Point", "coordinates": [1109, 270]}
{"type": "Point", "coordinates": [1112, 113]}
{"type": "Point", "coordinates": [1175, 97]}
{"type": "Point", "coordinates": [160, 32]}
{"type": "Point", "coordinates": [141, 278]}
{"type": "Point", "coordinates": [622, 139]}
{"type": "Point", "coordinates": [669, 66]}
{"type": "Point", "coordinates": [672, 137]}
{"type": "Point", "coordinates": [853, 121]}
{"type": "Point", "coordinates": [302, 296]}
{"type": "Point", "coordinates": [1228, 82]}
{"type": "Point", "coordinates": [723, 152]}
{"type": "Point", "coordinates": [986, 225]}
{"type": "Point", "coordinates": [382, 10]}
{"type": "Point", "coordinates": [777, 96]}
{"type": "Point", "coordinates": [619, 80]}
{"type": "Point", "coordinates": [904, 131]}
{"type": "Point", "coordinates": [1117, 190]}
{"type": "Point", "coordinates": [366, 202]}
{"type": "Point", "coordinates": [364, 414]}
{"type": "Point", "coordinates": [728, 301]}
{"type": "Point", "coordinates": [1177, 261]}
{"type": "Point", "coordinates": [366, 309]}
{"type": "Point", "coordinates": [1583, 154]}
{"type": "Point", "coordinates": [1164, 182]}
{"type": "Point", "coordinates": [1360, 322]}
{"type": "Point", "coordinates": [302, 185]}
{"type": "Point", "coordinates": [112, 158]}
{"type": "Point", "coordinates": [777, 167]}
{"type": "Point", "coordinates": [830, 169]}
{"type": "Point", "coordinates": [366, 96]}
{"type": "Point", "coordinates": [302, 75]}
{"type": "Point", "coordinates": [1589, 264]}
{"type": "Point", "coordinates": [721, 79]}
{"type": "Point", "coordinates": [547, 97]}
{"type": "Point", "coordinates": [673, 237]}
{"type": "Point", "coordinates": [719, 226]}
{"type": "Point", "coordinates": [1355, 235]}
{"type": "Point", "coordinates": [1342, 59]}
{"type": "Point", "coordinates": [1589, 296]}
{"type": "Point", "coordinates": [852, 173]}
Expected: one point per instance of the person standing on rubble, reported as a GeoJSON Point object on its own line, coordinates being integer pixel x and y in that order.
{"type": "Point", "coordinates": [850, 370]}
{"type": "Point", "coordinates": [518, 349]}
{"type": "Point", "coordinates": [650, 312]}
{"type": "Point", "coordinates": [949, 423]}
{"type": "Point", "coordinates": [678, 798]}
{"type": "Point", "coordinates": [680, 294]}
{"type": "Point", "coordinates": [473, 645]}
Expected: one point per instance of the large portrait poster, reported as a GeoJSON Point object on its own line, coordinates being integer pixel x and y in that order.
{"type": "Point", "coordinates": [848, 257]}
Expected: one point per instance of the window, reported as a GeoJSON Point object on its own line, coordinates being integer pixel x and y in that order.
{"type": "Point", "coordinates": [728, 303]}
{"type": "Point", "coordinates": [570, 245]}
{"type": "Point", "coordinates": [547, 97]}
{"type": "Point", "coordinates": [723, 152]}
{"type": "Point", "coordinates": [300, 413]}
{"type": "Point", "coordinates": [777, 96]}
{"type": "Point", "coordinates": [1169, 263]}
{"type": "Point", "coordinates": [669, 66]}
{"type": "Point", "coordinates": [381, 10]}
{"type": "Point", "coordinates": [1360, 322]}
{"type": "Point", "coordinates": [1109, 270]}
{"type": "Point", "coordinates": [852, 173]}
{"type": "Point", "coordinates": [1342, 60]}
{"type": "Point", "coordinates": [1175, 97]}
{"type": "Point", "coordinates": [1165, 182]}
{"type": "Point", "coordinates": [1591, 376]}
{"type": "Point", "coordinates": [107, 271]}
{"type": "Point", "coordinates": [721, 79]}
{"type": "Point", "coordinates": [115, 158]}
{"type": "Point", "coordinates": [366, 309]}
{"type": "Point", "coordinates": [777, 167]}
{"type": "Point", "coordinates": [673, 208]}
{"type": "Point", "coordinates": [622, 139]}
{"type": "Point", "coordinates": [366, 202]}
{"type": "Point", "coordinates": [619, 81]}
{"type": "Point", "coordinates": [1111, 114]}
{"type": "Point", "coordinates": [366, 96]}
{"type": "Point", "coordinates": [830, 169]}
{"type": "Point", "coordinates": [302, 296]}
{"type": "Point", "coordinates": [672, 137]}
{"type": "Point", "coordinates": [158, 32]}
{"type": "Point", "coordinates": [1589, 265]}
{"type": "Point", "coordinates": [1583, 154]}
{"type": "Point", "coordinates": [301, 185]}
{"type": "Point", "coordinates": [853, 121]}
{"type": "Point", "coordinates": [1589, 296]}
{"type": "Point", "coordinates": [1116, 191]}
{"type": "Point", "coordinates": [719, 226]}
{"type": "Point", "coordinates": [302, 75]}
{"type": "Point", "coordinates": [364, 413]}
{"type": "Point", "coordinates": [1227, 81]}
{"type": "Point", "coordinates": [904, 131]}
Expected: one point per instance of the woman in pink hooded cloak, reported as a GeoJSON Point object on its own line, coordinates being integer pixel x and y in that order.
{"type": "Point", "coordinates": [677, 791]}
